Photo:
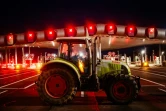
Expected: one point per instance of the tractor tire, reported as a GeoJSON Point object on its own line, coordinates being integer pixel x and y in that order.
{"type": "Point", "coordinates": [122, 89]}
{"type": "Point", "coordinates": [56, 86]}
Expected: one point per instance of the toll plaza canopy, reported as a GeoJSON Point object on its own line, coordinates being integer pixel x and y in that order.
{"type": "Point", "coordinates": [113, 36]}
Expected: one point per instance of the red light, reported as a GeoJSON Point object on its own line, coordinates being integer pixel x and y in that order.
{"type": "Point", "coordinates": [30, 37]}
{"type": "Point", "coordinates": [151, 32]}
{"type": "Point", "coordinates": [131, 31]}
{"type": "Point", "coordinates": [110, 29]}
{"type": "Point", "coordinates": [10, 39]}
{"type": "Point", "coordinates": [50, 34]}
{"type": "Point", "coordinates": [92, 30]}
{"type": "Point", "coordinates": [70, 32]}
{"type": "Point", "coordinates": [90, 27]}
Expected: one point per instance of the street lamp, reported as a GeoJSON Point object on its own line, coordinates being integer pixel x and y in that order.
{"type": "Point", "coordinates": [162, 52]}
{"type": "Point", "coordinates": [143, 52]}
{"type": "Point", "coordinates": [163, 57]}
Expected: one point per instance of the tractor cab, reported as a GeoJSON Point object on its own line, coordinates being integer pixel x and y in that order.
{"type": "Point", "coordinates": [76, 50]}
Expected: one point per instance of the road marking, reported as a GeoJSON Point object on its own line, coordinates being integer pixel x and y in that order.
{"type": "Point", "coordinates": [18, 81]}
{"type": "Point", "coordinates": [153, 82]}
{"type": "Point", "coordinates": [20, 88]}
{"type": "Point", "coordinates": [82, 94]}
{"type": "Point", "coordinates": [149, 85]}
{"type": "Point", "coordinates": [162, 90]}
{"type": "Point", "coordinates": [15, 75]}
{"type": "Point", "coordinates": [11, 88]}
{"type": "Point", "coordinates": [3, 91]}
{"type": "Point", "coordinates": [29, 85]}
{"type": "Point", "coordinates": [151, 73]}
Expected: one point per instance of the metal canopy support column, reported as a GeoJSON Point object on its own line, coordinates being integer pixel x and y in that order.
{"type": "Point", "coordinates": [15, 55]}
{"type": "Point", "coordinates": [159, 54]}
{"type": "Point", "coordinates": [145, 55]}
{"type": "Point", "coordinates": [9, 56]}
{"type": "Point", "coordinates": [6, 57]}
{"type": "Point", "coordinates": [23, 61]}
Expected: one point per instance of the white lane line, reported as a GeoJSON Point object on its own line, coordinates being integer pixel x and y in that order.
{"type": "Point", "coordinates": [150, 85]}
{"type": "Point", "coordinates": [151, 73]}
{"type": "Point", "coordinates": [3, 91]}
{"type": "Point", "coordinates": [29, 85]}
{"type": "Point", "coordinates": [82, 94]}
{"type": "Point", "coordinates": [20, 88]}
{"type": "Point", "coordinates": [18, 81]}
{"type": "Point", "coordinates": [162, 90]}
{"type": "Point", "coordinates": [153, 82]}
{"type": "Point", "coordinates": [15, 75]}
{"type": "Point", "coordinates": [11, 88]}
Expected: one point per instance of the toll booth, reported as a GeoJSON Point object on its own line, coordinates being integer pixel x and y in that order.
{"type": "Point", "coordinates": [28, 59]}
{"type": "Point", "coordinates": [111, 56]}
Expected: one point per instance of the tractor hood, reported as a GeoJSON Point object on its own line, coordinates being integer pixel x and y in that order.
{"type": "Point", "coordinates": [112, 66]}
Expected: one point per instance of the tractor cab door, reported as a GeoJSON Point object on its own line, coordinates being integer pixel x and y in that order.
{"type": "Point", "coordinates": [78, 53]}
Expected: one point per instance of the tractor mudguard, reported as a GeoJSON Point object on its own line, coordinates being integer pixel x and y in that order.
{"type": "Point", "coordinates": [59, 61]}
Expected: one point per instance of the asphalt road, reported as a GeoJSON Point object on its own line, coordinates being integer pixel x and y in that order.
{"type": "Point", "coordinates": [18, 93]}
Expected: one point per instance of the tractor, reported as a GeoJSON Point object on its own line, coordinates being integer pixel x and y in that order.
{"type": "Point", "coordinates": [79, 67]}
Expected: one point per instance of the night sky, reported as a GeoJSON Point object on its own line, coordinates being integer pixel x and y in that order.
{"type": "Point", "coordinates": [18, 16]}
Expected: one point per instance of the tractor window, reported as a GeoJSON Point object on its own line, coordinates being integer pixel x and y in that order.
{"type": "Point", "coordinates": [79, 56]}
{"type": "Point", "coordinates": [65, 49]}
{"type": "Point", "coordinates": [77, 53]}
{"type": "Point", "coordinates": [79, 50]}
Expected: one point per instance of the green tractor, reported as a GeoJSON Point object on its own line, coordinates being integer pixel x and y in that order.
{"type": "Point", "coordinates": [79, 67]}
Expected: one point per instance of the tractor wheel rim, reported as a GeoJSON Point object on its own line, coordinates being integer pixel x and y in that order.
{"type": "Point", "coordinates": [56, 86]}
{"type": "Point", "coordinates": [121, 90]}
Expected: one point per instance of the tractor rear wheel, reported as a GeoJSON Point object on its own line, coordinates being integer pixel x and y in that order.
{"type": "Point", "coordinates": [56, 86]}
{"type": "Point", "coordinates": [122, 89]}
